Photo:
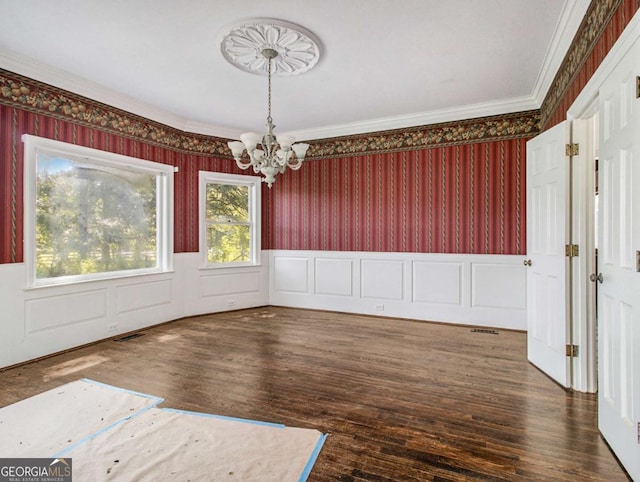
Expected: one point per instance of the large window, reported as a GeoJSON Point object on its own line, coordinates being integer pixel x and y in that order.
{"type": "Point", "coordinates": [90, 214]}
{"type": "Point", "coordinates": [229, 219]}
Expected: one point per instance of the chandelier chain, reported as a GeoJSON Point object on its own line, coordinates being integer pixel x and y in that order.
{"type": "Point", "coordinates": [269, 90]}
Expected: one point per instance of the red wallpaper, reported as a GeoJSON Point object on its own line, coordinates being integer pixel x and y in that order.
{"type": "Point", "coordinates": [462, 198]}
{"type": "Point", "coordinates": [580, 65]}
{"type": "Point", "coordinates": [14, 122]}
{"type": "Point", "coordinates": [456, 199]}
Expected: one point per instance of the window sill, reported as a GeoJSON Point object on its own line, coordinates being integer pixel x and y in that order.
{"type": "Point", "coordinates": [97, 280]}
{"type": "Point", "coordinates": [241, 267]}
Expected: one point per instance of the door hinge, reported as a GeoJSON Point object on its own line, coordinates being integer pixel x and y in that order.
{"type": "Point", "coordinates": [638, 87]}
{"type": "Point", "coordinates": [572, 351]}
{"type": "Point", "coordinates": [572, 150]}
{"type": "Point", "coordinates": [639, 432]}
{"type": "Point", "coordinates": [571, 250]}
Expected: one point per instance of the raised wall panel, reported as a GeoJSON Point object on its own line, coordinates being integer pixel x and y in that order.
{"type": "Point", "coordinates": [437, 282]}
{"type": "Point", "coordinates": [334, 277]}
{"type": "Point", "coordinates": [291, 274]}
{"type": "Point", "coordinates": [142, 295]}
{"type": "Point", "coordinates": [42, 321]}
{"type": "Point", "coordinates": [420, 286]}
{"type": "Point", "coordinates": [381, 279]}
{"type": "Point", "coordinates": [498, 286]}
{"type": "Point", "coordinates": [229, 283]}
{"type": "Point", "coordinates": [63, 310]}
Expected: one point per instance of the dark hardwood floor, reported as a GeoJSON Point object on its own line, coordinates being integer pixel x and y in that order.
{"type": "Point", "coordinates": [401, 400]}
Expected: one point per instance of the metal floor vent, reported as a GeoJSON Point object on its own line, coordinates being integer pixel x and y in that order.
{"type": "Point", "coordinates": [484, 330]}
{"type": "Point", "coordinates": [129, 337]}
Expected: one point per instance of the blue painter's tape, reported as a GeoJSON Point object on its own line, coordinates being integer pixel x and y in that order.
{"type": "Point", "coordinates": [101, 431]}
{"type": "Point", "coordinates": [223, 417]}
{"type": "Point", "coordinates": [312, 458]}
{"type": "Point", "coordinates": [118, 389]}
{"type": "Point", "coordinates": [156, 401]}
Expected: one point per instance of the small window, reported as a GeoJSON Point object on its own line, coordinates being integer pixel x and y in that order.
{"type": "Point", "coordinates": [91, 214]}
{"type": "Point", "coordinates": [229, 219]}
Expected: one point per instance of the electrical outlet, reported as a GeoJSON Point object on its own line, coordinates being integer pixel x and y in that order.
{"type": "Point", "coordinates": [231, 302]}
{"type": "Point", "coordinates": [112, 327]}
{"type": "Point", "coordinates": [380, 307]}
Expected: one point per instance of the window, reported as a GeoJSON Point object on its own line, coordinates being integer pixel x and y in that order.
{"type": "Point", "coordinates": [91, 214]}
{"type": "Point", "coordinates": [229, 219]}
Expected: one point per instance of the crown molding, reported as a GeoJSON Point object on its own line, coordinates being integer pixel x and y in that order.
{"type": "Point", "coordinates": [194, 127]}
{"type": "Point", "coordinates": [507, 106]}
{"type": "Point", "coordinates": [61, 79]}
{"type": "Point", "coordinates": [570, 19]}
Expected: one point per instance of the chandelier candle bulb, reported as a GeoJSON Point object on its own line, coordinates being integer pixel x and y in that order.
{"type": "Point", "coordinates": [285, 141]}
{"type": "Point", "coordinates": [237, 148]}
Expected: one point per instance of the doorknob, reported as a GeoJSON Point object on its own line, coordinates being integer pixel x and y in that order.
{"type": "Point", "coordinates": [596, 277]}
{"type": "Point", "coordinates": [527, 262]}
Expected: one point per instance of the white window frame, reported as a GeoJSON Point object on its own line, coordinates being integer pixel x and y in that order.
{"type": "Point", "coordinates": [164, 206]}
{"type": "Point", "coordinates": [253, 184]}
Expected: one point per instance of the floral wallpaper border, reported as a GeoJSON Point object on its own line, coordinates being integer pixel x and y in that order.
{"type": "Point", "coordinates": [484, 129]}
{"type": "Point", "coordinates": [31, 95]}
{"type": "Point", "coordinates": [595, 21]}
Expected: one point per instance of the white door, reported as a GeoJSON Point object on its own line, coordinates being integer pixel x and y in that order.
{"type": "Point", "coordinates": [547, 265]}
{"type": "Point", "coordinates": [618, 252]}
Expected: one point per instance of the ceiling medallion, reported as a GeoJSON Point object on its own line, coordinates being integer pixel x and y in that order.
{"type": "Point", "coordinates": [242, 45]}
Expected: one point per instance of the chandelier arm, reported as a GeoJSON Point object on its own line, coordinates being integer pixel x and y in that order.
{"type": "Point", "coordinates": [243, 165]}
{"type": "Point", "coordinates": [295, 165]}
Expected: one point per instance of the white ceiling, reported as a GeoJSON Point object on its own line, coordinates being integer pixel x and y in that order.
{"type": "Point", "coordinates": [384, 64]}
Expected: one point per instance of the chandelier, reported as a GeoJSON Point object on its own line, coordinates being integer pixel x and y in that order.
{"type": "Point", "coordinates": [277, 153]}
{"type": "Point", "coordinates": [276, 47]}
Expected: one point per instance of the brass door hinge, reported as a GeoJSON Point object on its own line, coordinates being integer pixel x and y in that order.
{"type": "Point", "coordinates": [571, 250]}
{"type": "Point", "coordinates": [638, 87]}
{"type": "Point", "coordinates": [572, 150]}
{"type": "Point", "coordinates": [572, 351]}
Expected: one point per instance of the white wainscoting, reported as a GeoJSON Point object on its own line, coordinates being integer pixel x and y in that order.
{"type": "Point", "coordinates": [481, 290]}
{"type": "Point", "coordinates": [41, 321]}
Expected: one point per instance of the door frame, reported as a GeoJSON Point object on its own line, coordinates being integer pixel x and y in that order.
{"type": "Point", "coordinates": [584, 132]}
{"type": "Point", "coordinates": [579, 118]}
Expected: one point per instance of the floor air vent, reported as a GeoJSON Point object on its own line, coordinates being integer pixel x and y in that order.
{"type": "Point", "coordinates": [483, 330]}
{"type": "Point", "coordinates": [129, 337]}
